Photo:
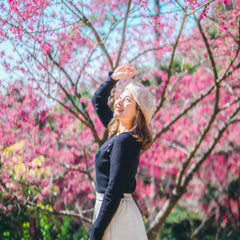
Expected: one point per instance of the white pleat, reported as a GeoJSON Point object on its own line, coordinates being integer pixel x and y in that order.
{"type": "Point", "coordinates": [127, 222]}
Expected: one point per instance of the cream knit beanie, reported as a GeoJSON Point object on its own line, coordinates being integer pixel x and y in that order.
{"type": "Point", "coordinates": [144, 99]}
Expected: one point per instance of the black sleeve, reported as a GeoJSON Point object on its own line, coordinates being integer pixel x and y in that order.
{"type": "Point", "coordinates": [100, 100]}
{"type": "Point", "coordinates": [124, 158]}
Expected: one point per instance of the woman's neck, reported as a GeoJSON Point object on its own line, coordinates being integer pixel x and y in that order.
{"type": "Point", "coordinates": [123, 128]}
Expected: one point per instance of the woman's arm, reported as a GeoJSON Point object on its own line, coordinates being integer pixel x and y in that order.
{"type": "Point", "coordinates": [100, 98]}
{"type": "Point", "coordinates": [124, 160]}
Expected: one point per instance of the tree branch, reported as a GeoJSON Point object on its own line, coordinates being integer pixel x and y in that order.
{"type": "Point", "coordinates": [204, 222]}
{"type": "Point", "coordinates": [88, 123]}
{"type": "Point", "coordinates": [197, 145]}
{"type": "Point", "coordinates": [216, 23]}
{"type": "Point", "coordinates": [79, 215]}
{"type": "Point", "coordinates": [227, 72]}
{"type": "Point", "coordinates": [82, 17]}
{"type": "Point", "coordinates": [218, 135]}
{"type": "Point", "coordinates": [61, 86]}
{"type": "Point", "coordinates": [88, 170]}
{"type": "Point", "coordinates": [83, 68]}
{"type": "Point", "coordinates": [195, 102]}
{"type": "Point", "coordinates": [61, 68]}
{"type": "Point", "coordinates": [198, 8]}
{"type": "Point", "coordinates": [229, 104]}
{"type": "Point", "coordinates": [73, 168]}
{"type": "Point", "coordinates": [210, 55]}
{"type": "Point", "coordinates": [22, 59]}
{"type": "Point", "coordinates": [123, 34]}
{"type": "Point", "coordinates": [84, 112]}
{"type": "Point", "coordinates": [180, 5]}
{"type": "Point", "coordinates": [180, 190]}
{"type": "Point", "coordinates": [144, 52]}
{"type": "Point", "coordinates": [161, 217]}
{"type": "Point", "coordinates": [170, 65]}
{"type": "Point", "coordinates": [212, 118]}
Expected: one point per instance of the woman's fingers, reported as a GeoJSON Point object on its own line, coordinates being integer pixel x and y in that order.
{"type": "Point", "coordinates": [124, 71]}
{"type": "Point", "coordinates": [125, 66]}
{"type": "Point", "coordinates": [128, 68]}
{"type": "Point", "coordinates": [131, 71]}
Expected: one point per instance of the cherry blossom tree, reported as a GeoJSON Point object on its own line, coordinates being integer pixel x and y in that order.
{"type": "Point", "coordinates": [187, 52]}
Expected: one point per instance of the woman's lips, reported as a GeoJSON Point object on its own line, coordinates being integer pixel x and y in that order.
{"type": "Point", "coordinates": [119, 109]}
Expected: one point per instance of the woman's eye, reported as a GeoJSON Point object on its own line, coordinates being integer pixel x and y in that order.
{"type": "Point", "coordinates": [121, 98]}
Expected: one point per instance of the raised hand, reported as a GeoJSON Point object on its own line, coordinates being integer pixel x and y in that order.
{"type": "Point", "coordinates": [123, 71]}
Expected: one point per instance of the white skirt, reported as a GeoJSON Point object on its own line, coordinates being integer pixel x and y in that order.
{"type": "Point", "coordinates": [127, 222]}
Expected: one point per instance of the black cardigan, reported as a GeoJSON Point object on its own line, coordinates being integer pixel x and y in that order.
{"type": "Point", "coordinates": [116, 163]}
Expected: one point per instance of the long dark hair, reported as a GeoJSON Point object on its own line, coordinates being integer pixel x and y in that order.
{"type": "Point", "coordinates": [139, 128]}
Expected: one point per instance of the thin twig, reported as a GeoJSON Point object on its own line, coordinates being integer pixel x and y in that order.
{"type": "Point", "coordinates": [63, 89]}
{"type": "Point", "coordinates": [227, 73]}
{"type": "Point", "coordinates": [61, 68]}
{"type": "Point", "coordinates": [61, 212]}
{"type": "Point", "coordinates": [20, 56]}
{"type": "Point", "coordinates": [84, 66]}
{"type": "Point", "coordinates": [198, 8]}
{"type": "Point", "coordinates": [183, 112]}
{"type": "Point", "coordinates": [123, 34]}
{"type": "Point", "coordinates": [179, 5]}
{"type": "Point", "coordinates": [163, 97]}
{"type": "Point", "coordinates": [216, 23]}
{"type": "Point", "coordinates": [210, 55]}
{"type": "Point", "coordinates": [88, 169]}
{"type": "Point", "coordinates": [229, 104]}
{"type": "Point", "coordinates": [88, 123]}
{"type": "Point", "coordinates": [144, 52]}
{"type": "Point", "coordinates": [82, 17]}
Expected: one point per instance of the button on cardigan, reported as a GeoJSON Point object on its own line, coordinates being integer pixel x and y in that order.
{"type": "Point", "coordinates": [116, 163]}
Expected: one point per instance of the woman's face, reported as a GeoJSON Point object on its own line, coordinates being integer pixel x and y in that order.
{"type": "Point", "coordinates": [125, 108]}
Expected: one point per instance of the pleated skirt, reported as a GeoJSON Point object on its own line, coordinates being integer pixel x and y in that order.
{"type": "Point", "coordinates": [126, 224]}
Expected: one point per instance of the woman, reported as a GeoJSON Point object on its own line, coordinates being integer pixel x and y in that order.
{"type": "Point", "coordinates": [116, 216]}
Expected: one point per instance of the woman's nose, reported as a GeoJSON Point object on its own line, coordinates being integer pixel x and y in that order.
{"type": "Point", "coordinates": [119, 102]}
